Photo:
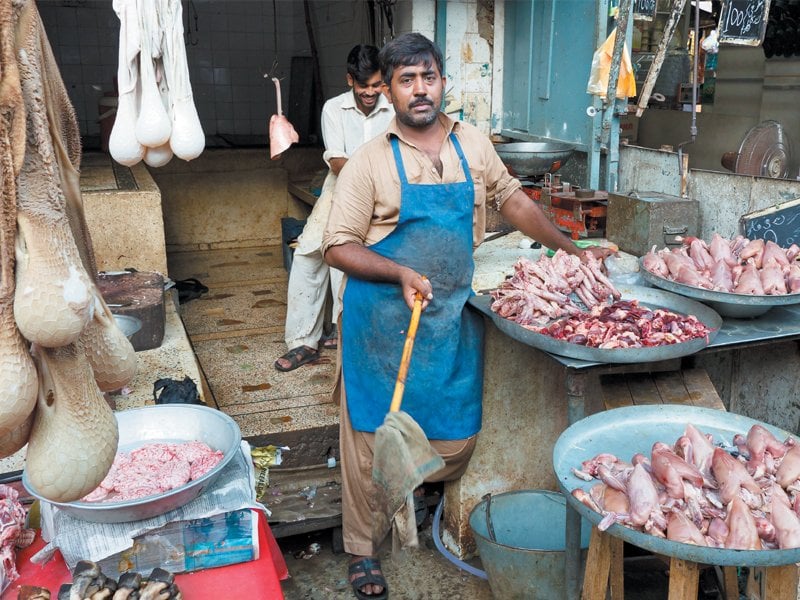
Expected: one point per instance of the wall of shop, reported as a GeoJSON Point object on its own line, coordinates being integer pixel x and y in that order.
{"type": "Point", "coordinates": [230, 45]}
{"type": "Point", "coordinates": [749, 89]}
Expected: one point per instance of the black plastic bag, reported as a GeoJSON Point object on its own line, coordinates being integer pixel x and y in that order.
{"type": "Point", "coordinates": [173, 391]}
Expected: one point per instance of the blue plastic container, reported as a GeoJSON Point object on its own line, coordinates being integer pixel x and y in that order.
{"type": "Point", "coordinates": [526, 558]}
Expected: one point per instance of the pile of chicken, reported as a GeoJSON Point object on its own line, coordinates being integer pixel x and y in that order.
{"type": "Point", "coordinates": [60, 347]}
{"type": "Point", "coordinates": [739, 266]}
{"type": "Point", "coordinates": [539, 291]}
{"type": "Point", "coordinates": [697, 492]}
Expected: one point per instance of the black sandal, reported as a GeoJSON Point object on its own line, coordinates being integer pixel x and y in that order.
{"type": "Point", "coordinates": [367, 566]}
{"type": "Point", "coordinates": [297, 357]}
{"type": "Point", "coordinates": [331, 341]}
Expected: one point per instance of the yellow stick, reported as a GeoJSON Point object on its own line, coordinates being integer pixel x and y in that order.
{"type": "Point", "coordinates": [400, 384]}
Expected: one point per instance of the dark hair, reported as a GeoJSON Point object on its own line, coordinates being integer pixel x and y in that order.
{"type": "Point", "coordinates": [362, 63]}
{"type": "Point", "coordinates": [407, 50]}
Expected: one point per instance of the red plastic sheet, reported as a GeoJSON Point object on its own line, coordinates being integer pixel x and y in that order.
{"type": "Point", "coordinates": [256, 580]}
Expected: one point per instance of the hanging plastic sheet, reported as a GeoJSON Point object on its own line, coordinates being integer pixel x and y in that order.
{"type": "Point", "coordinates": [601, 65]}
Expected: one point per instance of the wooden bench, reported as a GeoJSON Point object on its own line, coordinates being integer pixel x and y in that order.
{"type": "Point", "coordinates": [604, 562]}
{"type": "Point", "coordinates": [689, 386]}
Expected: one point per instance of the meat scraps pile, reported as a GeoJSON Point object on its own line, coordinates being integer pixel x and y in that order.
{"type": "Point", "coordinates": [153, 469]}
{"type": "Point", "coordinates": [738, 266]}
{"type": "Point", "coordinates": [697, 492]}
{"type": "Point", "coordinates": [626, 324]}
{"type": "Point", "coordinates": [539, 292]}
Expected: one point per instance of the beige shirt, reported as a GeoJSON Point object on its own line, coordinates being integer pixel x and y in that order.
{"type": "Point", "coordinates": [366, 201]}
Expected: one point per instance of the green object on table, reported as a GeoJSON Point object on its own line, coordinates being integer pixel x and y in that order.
{"type": "Point", "coordinates": [583, 244]}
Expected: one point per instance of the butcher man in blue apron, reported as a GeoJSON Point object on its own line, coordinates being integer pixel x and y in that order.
{"type": "Point", "coordinates": [407, 212]}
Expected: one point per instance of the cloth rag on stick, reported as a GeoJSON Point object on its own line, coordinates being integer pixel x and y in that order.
{"type": "Point", "coordinates": [402, 460]}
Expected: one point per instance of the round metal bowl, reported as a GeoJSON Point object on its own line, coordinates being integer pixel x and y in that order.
{"type": "Point", "coordinates": [736, 306]}
{"type": "Point", "coordinates": [128, 325]}
{"type": "Point", "coordinates": [529, 159]}
{"type": "Point", "coordinates": [631, 429]}
{"type": "Point", "coordinates": [160, 423]}
{"type": "Point", "coordinates": [651, 297]}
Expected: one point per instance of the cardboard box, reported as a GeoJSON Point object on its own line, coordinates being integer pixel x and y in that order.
{"type": "Point", "coordinates": [225, 539]}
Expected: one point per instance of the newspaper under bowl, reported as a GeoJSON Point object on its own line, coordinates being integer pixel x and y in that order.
{"type": "Point", "coordinates": [169, 423]}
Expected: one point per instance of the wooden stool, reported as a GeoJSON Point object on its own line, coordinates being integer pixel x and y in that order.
{"type": "Point", "coordinates": [604, 571]}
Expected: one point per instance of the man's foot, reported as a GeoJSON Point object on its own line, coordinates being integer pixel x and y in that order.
{"type": "Point", "coordinates": [330, 342]}
{"type": "Point", "coordinates": [296, 357]}
{"type": "Point", "coordinates": [365, 575]}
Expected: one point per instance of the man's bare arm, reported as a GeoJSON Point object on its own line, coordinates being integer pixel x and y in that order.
{"type": "Point", "coordinates": [361, 262]}
{"type": "Point", "coordinates": [524, 214]}
{"type": "Point", "coordinates": [337, 164]}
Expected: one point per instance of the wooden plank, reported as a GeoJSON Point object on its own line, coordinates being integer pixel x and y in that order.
{"type": "Point", "coordinates": [615, 391]}
{"type": "Point", "coordinates": [701, 390]}
{"type": "Point", "coordinates": [616, 576]}
{"type": "Point", "coordinates": [643, 389]}
{"type": "Point", "coordinates": [684, 577]}
{"type": "Point", "coordinates": [598, 565]}
{"type": "Point", "coordinates": [730, 583]}
{"type": "Point", "coordinates": [781, 583]}
{"type": "Point", "coordinates": [671, 388]}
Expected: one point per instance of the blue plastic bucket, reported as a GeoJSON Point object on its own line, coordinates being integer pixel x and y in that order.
{"type": "Point", "coordinates": [526, 560]}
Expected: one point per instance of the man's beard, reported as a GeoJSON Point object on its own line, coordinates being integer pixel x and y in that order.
{"type": "Point", "coordinates": [411, 119]}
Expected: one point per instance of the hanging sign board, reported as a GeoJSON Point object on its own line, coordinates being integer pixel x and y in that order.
{"type": "Point", "coordinates": [743, 22]}
{"type": "Point", "coordinates": [779, 223]}
{"type": "Point", "coordinates": [644, 10]}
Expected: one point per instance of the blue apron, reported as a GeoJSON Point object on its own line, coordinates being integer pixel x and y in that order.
{"type": "Point", "coordinates": [445, 379]}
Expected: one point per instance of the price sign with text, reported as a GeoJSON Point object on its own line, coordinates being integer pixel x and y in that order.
{"type": "Point", "coordinates": [743, 22]}
{"type": "Point", "coordinates": [644, 10]}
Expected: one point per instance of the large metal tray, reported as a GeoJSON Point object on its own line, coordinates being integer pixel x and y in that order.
{"type": "Point", "coordinates": [626, 431]}
{"type": "Point", "coordinates": [737, 306]}
{"type": "Point", "coordinates": [160, 423]}
{"type": "Point", "coordinates": [652, 297]}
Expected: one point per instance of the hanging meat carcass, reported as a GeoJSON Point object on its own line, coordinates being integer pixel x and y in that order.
{"type": "Point", "coordinates": [281, 133]}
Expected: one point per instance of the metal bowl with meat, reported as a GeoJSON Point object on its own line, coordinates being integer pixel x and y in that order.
{"type": "Point", "coordinates": [648, 297]}
{"type": "Point", "coordinates": [168, 423]}
{"type": "Point", "coordinates": [623, 432]}
{"type": "Point", "coordinates": [727, 304]}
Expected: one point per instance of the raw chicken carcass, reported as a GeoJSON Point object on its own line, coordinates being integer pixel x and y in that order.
{"type": "Point", "coordinates": [670, 470]}
{"type": "Point", "coordinates": [731, 476]}
{"type": "Point", "coordinates": [759, 441]}
{"type": "Point", "coordinates": [749, 281]}
{"type": "Point", "coordinates": [642, 495]}
{"type": "Point", "coordinates": [681, 529]}
{"type": "Point", "coordinates": [773, 279]}
{"type": "Point", "coordinates": [722, 276]}
{"type": "Point", "coordinates": [654, 262]}
{"type": "Point", "coordinates": [720, 250]}
{"type": "Point", "coordinates": [789, 469]}
{"type": "Point", "coordinates": [753, 249]}
{"type": "Point", "coordinates": [742, 530]}
{"type": "Point", "coordinates": [785, 520]}
{"type": "Point", "coordinates": [281, 133]}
